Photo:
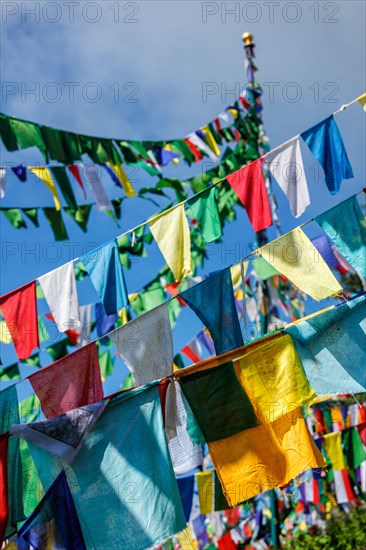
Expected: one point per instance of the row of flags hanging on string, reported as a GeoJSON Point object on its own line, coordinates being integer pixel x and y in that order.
{"type": "Point", "coordinates": [291, 255]}
{"type": "Point", "coordinates": [259, 392]}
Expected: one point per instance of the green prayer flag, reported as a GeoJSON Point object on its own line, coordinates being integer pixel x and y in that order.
{"type": "Point", "coordinates": [7, 134]}
{"type": "Point", "coordinates": [15, 217]}
{"type": "Point", "coordinates": [54, 143]}
{"type": "Point", "coordinates": [117, 207]}
{"type": "Point", "coordinates": [178, 361]}
{"type": "Point", "coordinates": [54, 218]}
{"type": "Point", "coordinates": [33, 361]}
{"type": "Point", "coordinates": [39, 291]}
{"type": "Point", "coordinates": [128, 382]}
{"type": "Point", "coordinates": [263, 269]}
{"type": "Point", "coordinates": [353, 446]}
{"type": "Point", "coordinates": [42, 330]}
{"type": "Point", "coordinates": [175, 184]}
{"type": "Point", "coordinates": [28, 134]}
{"type": "Point", "coordinates": [10, 373]}
{"type": "Point", "coordinates": [184, 150]}
{"type": "Point", "coordinates": [58, 350]}
{"type": "Point", "coordinates": [29, 409]}
{"type": "Point", "coordinates": [106, 364]}
{"type": "Point", "coordinates": [32, 487]}
{"type": "Point", "coordinates": [72, 146]}
{"type": "Point", "coordinates": [128, 153]}
{"type": "Point", "coordinates": [174, 309]}
{"type": "Point", "coordinates": [80, 215]}
{"type": "Point", "coordinates": [205, 210]}
{"type": "Point", "coordinates": [32, 214]}
{"type": "Point", "coordinates": [60, 175]}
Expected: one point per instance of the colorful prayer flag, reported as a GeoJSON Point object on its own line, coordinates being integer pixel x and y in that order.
{"type": "Point", "coordinates": [44, 174]}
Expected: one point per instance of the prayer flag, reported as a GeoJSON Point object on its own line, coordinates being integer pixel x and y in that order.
{"type": "Point", "coordinates": [205, 210]}
{"type": "Point", "coordinates": [248, 183]}
{"type": "Point", "coordinates": [121, 176]}
{"type": "Point", "coordinates": [345, 225]}
{"type": "Point", "coordinates": [59, 289]}
{"type": "Point", "coordinates": [146, 345]}
{"type": "Point", "coordinates": [96, 187]}
{"type": "Point", "coordinates": [333, 447]}
{"type": "Point", "coordinates": [210, 493]}
{"type": "Point", "coordinates": [342, 486]}
{"type": "Point", "coordinates": [4, 513]}
{"type": "Point", "coordinates": [354, 450]}
{"type": "Point", "coordinates": [219, 315]}
{"type": "Point", "coordinates": [325, 142]}
{"type": "Point", "coordinates": [104, 323]}
{"type": "Point", "coordinates": [106, 272]}
{"type": "Point", "coordinates": [60, 175]}
{"type": "Point", "coordinates": [294, 256]}
{"type": "Point", "coordinates": [171, 232]}
{"type": "Point", "coordinates": [55, 220]}
{"type": "Point", "coordinates": [69, 383]}
{"type": "Point", "coordinates": [185, 486]}
{"type": "Point", "coordinates": [2, 182]}
{"type": "Point", "coordinates": [20, 171]}
{"type": "Point", "coordinates": [287, 168]}
{"type": "Point", "coordinates": [362, 101]}
{"type": "Point", "coordinates": [44, 174]}
{"type": "Point", "coordinates": [19, 308]}
{"type": "Point", "coordinates": [250, 454]}
{"type": "Point", "coordinates": [331, 347]}
{"type": "Point", "coordinates": [74, 169]}
{"type": "Point", "coordinates": [54, 523]}
{"type": "Point", "coordinates": [193, 350]}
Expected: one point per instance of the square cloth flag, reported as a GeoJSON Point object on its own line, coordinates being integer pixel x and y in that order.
{"type": "Point", "coordinates": [122, 480]}
{"type": "Point", "coordinates": [250, 454]}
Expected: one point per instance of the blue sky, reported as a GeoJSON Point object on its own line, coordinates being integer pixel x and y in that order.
{"type": "Point", "coordinates": [143, 70]}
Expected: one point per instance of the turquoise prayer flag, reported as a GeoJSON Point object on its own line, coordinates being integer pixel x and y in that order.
{"type": "Point", "coordinates": [331, 347]}
{"type": "Point", "coordinates": [106, 272]}
{"type": "Point", "coordinates": [345, 225]}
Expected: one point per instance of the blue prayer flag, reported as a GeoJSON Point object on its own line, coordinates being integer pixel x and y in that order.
{"type": "Point", "coordinates": [104, 323]}
{"type": "Point", "coordinates": [20, 171]}
{"type": "Point", "coordinates": [325, 142]}
{"type": "Point", "coordinates": [324, 247]}
{"type": "Point", "coordinates": [213, 302]}
{"type": "Point", "coordinates": [331, 348]}
{"type": "Point", "coordinates": [346, 226]}
{"type": "Point", "coordinates": [54, 522]}
{"type": "Point", "coordinates": [113, 175]}
{"type": "Point", "coordinates": [106, 272]}
{"type": "Point", "coordinates": [185, 486]}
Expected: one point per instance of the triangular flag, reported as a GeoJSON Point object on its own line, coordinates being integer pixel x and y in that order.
{"type": "Point", "coordinates": [248, 183]}
{"type": "Point", "coordinates": [171, 232]}
{"type": "Point", "coordinates": [210, 140]}
{"type": "Point", "coordinates": [193, 350]}
{"type": "Point", "coordinates": [201, 145]}
{"type": "Point", "coordinates": [325, 142]}
{"type": "Point", "coordinates": [106, 272]}
{"type": "Point", "coordinates": [59, 289]}
{"type": "Point", "coordinates": [56, 222]}
{"type": "Point", "coordinates": [286, 166]}
{"type": "Point", "coordinates": [44, 174]}
{"type": "Point", "coordinates": [20, 171]}
{"type": "Point", "coordinates": [74, 169]}
{"type": "Point", "coordinates": [19, 308]}
{"type": "Point", "coordinates": [60, 175]}
{"type": "Point", "coordinates": [294, 256]}
{"type": "Point", "coordinates": [362, 101]}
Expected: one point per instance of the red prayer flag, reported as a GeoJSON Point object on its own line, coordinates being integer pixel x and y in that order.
{"type": "Point", "coordinates": [3, 485]}
{"type": "Point", "coordinates": [74, 169]}
{"type": "Point", "coordinates": [69, 383]}
{"type": "Point", "coordinates": [194, 149]}
{"type": "Point", "coordinates": [248, 183]}
{"type": "Point", "coordinates": [190, 353]}
{"type": "Point", "coordinates": [19, 309]}
{"type": "Point", "coordinates": [226, 543]}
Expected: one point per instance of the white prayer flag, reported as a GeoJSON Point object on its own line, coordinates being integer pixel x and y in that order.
{"type": "Point", "coordinates": [96, 186]}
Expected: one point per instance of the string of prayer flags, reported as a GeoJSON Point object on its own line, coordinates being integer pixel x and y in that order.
{"type": "Point", "coordinates": [62, 435]}
{"type": "Point", "coordinates": [132, 454]}
{"type": "Point", "coordinates": [3, 485]}
{"type": "Point", "coordinates": [286, 166]}
{"type": "Point", "coordinates": [331, 348]}
{"type": "Point", "coordinates": [19, 308]}
{"type": "Point", "coordinates": [54, 522]}
{"type": "Point", "coordinates": [293, 256]}
{"type": "Point", "coordinates": [74, 169]}
{"type": "Point", "coordinates": [146, 345]}
{"type": "Point", "coordinates": [101, 198]}
{"type": "Point", "coordinates": [44, 175]}
{"type": "Point", "coordinates": [106, 273]}
{"type": "Point", "coordinates": [2, 182]}
{"type": "Point", "coordinates": [345, 225]}
{"type": "Point", "coordinates": [204, 209]}
{"type": "Point", "coordinates": [14, 216]}
{"type": "Point", "coordinates": [248, 183]}
{"type": "Point", "coordinates": [250, 454]}
{"type": "Point", "coordinates": [60, 175]}
{"type": "Point", "coordinates": [171, 232]}
{"type": "Point", "coordinates": [9, 414]}
{"type": "Point", "coordinates": [59, 289]}
{"type": "Point", "coordinates": [219, 316]}
{"type": "Point", "coordinates": [71, 382]}
{"type": "Point", "coordinates": [325, 142]}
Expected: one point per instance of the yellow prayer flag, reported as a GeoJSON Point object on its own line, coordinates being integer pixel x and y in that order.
{"type": "Point", "coordinates": [171, 232]}
{"type": "Point", "coordinates": [276, 378]}
{"type": "Point", "coordinates": [333, 447]}
{"type": "Point", "coordinates": [186, 541]}
{"type": "Point", "coordinates": [122, 176]}
{"type": "Point", "coordinates": [206, 491]}
{"type": "Point", "coordinates": [362, 101]}
{"type": "Point", "coordinates": [236, 273]}
{"type": "Point", "coordinates": [298, 259]}
{"type": "Point", "coordinates": [5, 336]}
{"type": "Point", "coordinates": [264, 457]}
{"type": "Point", "coordinates": [210, 140]}
{"type": "Point", "coordinates": [123, 315]}
{"type": "Point", "coordinates": [43, 173]}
